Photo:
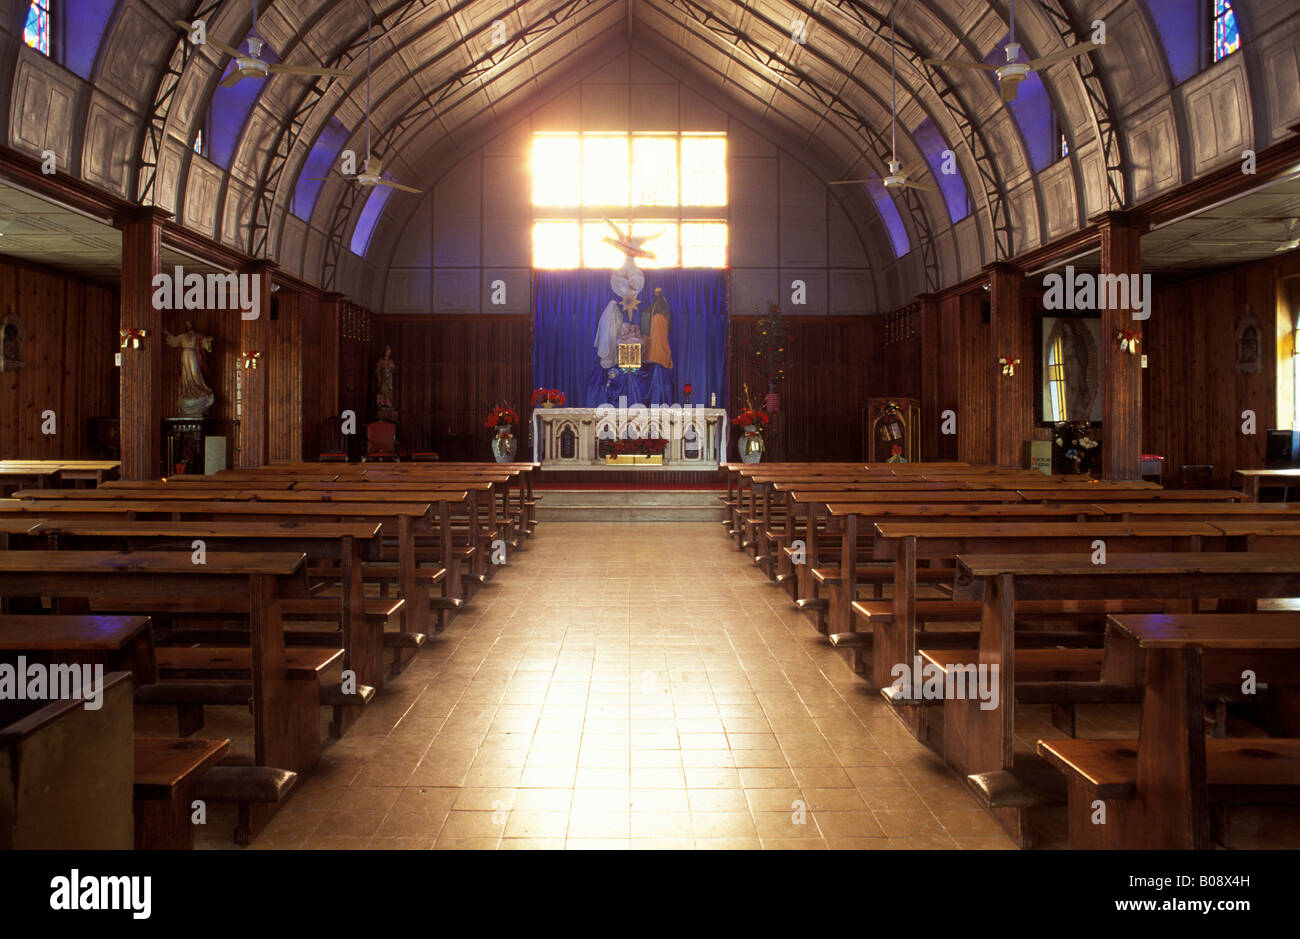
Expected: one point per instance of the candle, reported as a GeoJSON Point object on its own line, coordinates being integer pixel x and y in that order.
{"type": "Point", "coordinates": [713, 399]}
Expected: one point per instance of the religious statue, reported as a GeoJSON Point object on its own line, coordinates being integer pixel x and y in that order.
{"type": "Point", "coordinates": [660, 317]}
{"type": "Point", "coordinates": [196, 397]}
{"type": "Point", "coordinates": [11, 344]}
{"type": "Point", "coordinates": [385, 369]}
{"type": "Point", "coordinates": [615, 327]}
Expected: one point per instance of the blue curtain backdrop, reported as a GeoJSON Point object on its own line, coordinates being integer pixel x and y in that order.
{"type": "Point", "coordinates": [567, 306]}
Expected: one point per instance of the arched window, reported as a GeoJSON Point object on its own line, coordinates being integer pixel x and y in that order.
{"type": "Point", "coordinates": [1227, 38]}
{"type": "Point", "coordinates": [198, 142]}
{"type": "Point", "coordinates": [36, 32]}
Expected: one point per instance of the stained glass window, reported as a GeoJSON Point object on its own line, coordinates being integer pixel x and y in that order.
{"type": "Point", "coordinates": [1227, 39]}
{"type": "Point", "coordinates": [36, 33]}
{"type": "Point", "coordinates": [198, 142]}
{"type": "Point", "coordinates": [1065, 146]}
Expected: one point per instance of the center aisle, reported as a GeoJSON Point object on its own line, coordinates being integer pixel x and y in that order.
{"type": "Point", "coordinates": [630, 685]}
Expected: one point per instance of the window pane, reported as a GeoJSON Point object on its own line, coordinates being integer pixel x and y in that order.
{"type": "Point", "coordinates": [595, 252]}
{"type": "Point", "coordinates": [704, 171]}
{"type": "Point", "coordinates": [1227, 39]}
{"type": "Point", "coordinates": [663, 244]}
{"type": "Point", "coordinates": [36, 31]}
{"type": "Point", "coordinates": [604, 169]}
{"type": "Point", "coordinates": [704, 244]}
{"type": "Point", "coordinates": [555, 244]}
{"type": "Point", "coordinates": [654, 171]}
{"type": "Point", "coordinates": [555, 169]}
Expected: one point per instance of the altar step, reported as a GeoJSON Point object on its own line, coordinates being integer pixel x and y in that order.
{"type": "Point", "coordinates": [629, 505]}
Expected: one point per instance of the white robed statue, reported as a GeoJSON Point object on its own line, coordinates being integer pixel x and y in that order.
{"type": "Point", "coordinates": [196, 397]}
{"type": "Point", "coordinates": [626, 281]}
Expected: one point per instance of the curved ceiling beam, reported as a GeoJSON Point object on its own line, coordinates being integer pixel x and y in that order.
{"type": "Point", "coordinates": [539, 31]}
{"type": "Point", "coordinates": [829, 101]}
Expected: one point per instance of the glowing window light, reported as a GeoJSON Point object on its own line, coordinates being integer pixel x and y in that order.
{"type": "Point", "coordinates": [557, 170]}
{"type": "Point", "coordinates": [36, 32]}
{"type": "Point", "coordinates": [654, 170]}
{"type": "Point", "coordinates": [664, 244]}
{"type": "Point", "coordinates": [704, 244]}
{"type": "Point", "coordinates": [1227, 38]}
{"type": "Point", "coordinates": [595, 252]}
{"type": "Point", "coordinates": [604, 169]}
{"type": "Point", "coordinates": [198, 142]}
{"type": "Point", "coordinates": [704, 170]}
{"type": "Point", "coordinates": [556, 245]}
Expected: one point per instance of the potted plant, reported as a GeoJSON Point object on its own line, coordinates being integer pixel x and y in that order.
{"type": "Point", "coordinates": [503, 418]}
{"type": "Point", "coordinates": [751, 441]}
{"type": "Point", "coordinates": [548, 398]}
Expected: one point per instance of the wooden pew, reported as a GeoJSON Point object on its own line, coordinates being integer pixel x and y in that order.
{"type": "Point", "coordinates": [286, 719]}
{"type": "Point", "coordinates": [1158, 790]}
{"type": "Point", "coordinates": [980, 743]}
{"type": "Point", "coordinates": [65, 774]}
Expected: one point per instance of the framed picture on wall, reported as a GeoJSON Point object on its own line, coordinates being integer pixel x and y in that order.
{"type": "Point", "coordinates": [1067, 368]}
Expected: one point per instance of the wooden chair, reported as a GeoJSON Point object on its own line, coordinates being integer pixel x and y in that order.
{"type": "Point", "coordinates": [382, 442]}
{"type": "Point", "coordinates": [1196, 476]}
{"type": "Point", "coordinates": [420, 443]}
{"type": "Point", "coordinates": [334, 443]}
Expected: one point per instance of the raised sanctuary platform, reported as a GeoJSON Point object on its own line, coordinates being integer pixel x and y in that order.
{"type": "Point", "coordinates": [630, 505]}
{"type": "Point", "coordinates": [694, 438]}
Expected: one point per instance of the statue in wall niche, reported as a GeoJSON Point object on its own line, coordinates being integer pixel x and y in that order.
{"type": "Point", "coordinates": [11, 344]}
{"type": "Point", "coordinates": [385, 373]}
{"type": "Point", "coordinates": [195, 398]}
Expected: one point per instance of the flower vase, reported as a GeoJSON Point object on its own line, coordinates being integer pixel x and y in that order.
{"type": "Point", "coordinates": [504, 444]}
{"type": "Point", "coordinates": [751, 444]}
{"type": "Point", "coordinates": [548, 404]}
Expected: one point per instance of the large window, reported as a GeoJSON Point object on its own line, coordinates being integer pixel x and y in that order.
{"type": "Point", "coordinates": [1227, 39]}
{"type": "Point", "coordinates": [36, 31]}
{"type": "Point", "coordinates": [671, 188]}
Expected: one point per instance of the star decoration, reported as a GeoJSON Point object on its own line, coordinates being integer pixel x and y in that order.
{"type": "Point", "coordinates": [630, 303]}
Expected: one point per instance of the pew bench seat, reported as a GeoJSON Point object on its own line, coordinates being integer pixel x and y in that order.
{"type": "Point", "coordinates": [1241, 771]}
{"type": "Point", "coordinates": [246, 786]}
{"type": "Point", "coordinates": [165, 773]}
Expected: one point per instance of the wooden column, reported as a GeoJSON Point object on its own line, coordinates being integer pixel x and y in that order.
{"type": "Point", "coordinates": [255, 336]}
{"type": "Point", "coordinates": [1121, 372]}
{"type": "Point", "coordinates": [141, 395]}
{"type": "Point", "coordinates": [931, 370]}
{"type": "Point", "coordinates": [331, 311]}
{"type": "Point", "coordinates": [1009, 336]}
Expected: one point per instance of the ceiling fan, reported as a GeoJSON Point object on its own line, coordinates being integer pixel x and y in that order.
{"type": "Point", "coordinates": [1014, 71]}
{"type": "Point", "coordinates": [252, 65]}
{"type": "Point", "coordinates": [371, 170]}
{"type": "Point", "coordinates": [896, 178]}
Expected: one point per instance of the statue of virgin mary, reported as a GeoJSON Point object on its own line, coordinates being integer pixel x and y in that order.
{"type": "Point", "coordinates": [627, 281]}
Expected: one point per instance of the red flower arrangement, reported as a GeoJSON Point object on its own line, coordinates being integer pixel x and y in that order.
{"type": "Point", "coordinates": [553, 396]}
{"type": "Point", "coordinates": [750, 416]}
{"type": "Point", "coordinates": [687, 389]}
{"type": "Point", "coordinates": [501, 415]}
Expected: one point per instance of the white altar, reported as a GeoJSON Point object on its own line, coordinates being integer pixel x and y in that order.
{"type": "Point", "coordinates": [569, 438]}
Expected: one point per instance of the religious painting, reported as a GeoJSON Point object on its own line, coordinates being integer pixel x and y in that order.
{"type": "Point", "coordinates": [1067, 369]}
{"type": "Point", "coordinates": [1248, 345]}
{"type": "Point", "coordinates": [11, 343]}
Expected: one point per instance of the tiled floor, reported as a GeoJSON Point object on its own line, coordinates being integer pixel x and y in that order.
{"type": "Point", "coordinates": [628, 686]}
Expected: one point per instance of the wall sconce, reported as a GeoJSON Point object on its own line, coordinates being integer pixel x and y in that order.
{"type": "Point", "coordinates": [1008, 365]}
{"type": "Point", "coordinates": [250, 359]}
{"type": "Point", "coordinates": [1127, 339]}
{"type": "Point", "coordinates": [133, 336]}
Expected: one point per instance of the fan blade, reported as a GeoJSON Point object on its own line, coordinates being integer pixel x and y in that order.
{"type": "Point", "coordinates": [1046, 60]}
{"type": "Point", "coordinates": [215, 43]}
{"type": "Point", "coordinates": [851, 182]}
{"type": "Point", "coordinates": [232, 79]}
{"type": "Point", "coordinates": [389, 182]}
{"type": "Point", "coordinates": [1009, 86]}
{"type": "Point", "coordinates": [325, 179]}
{"type": "Point", "coordinates": [921, 186]}
{"type": "Point", "coordinates": [309, 70]}
{"type": "Point", "coordinates": [962, 63]}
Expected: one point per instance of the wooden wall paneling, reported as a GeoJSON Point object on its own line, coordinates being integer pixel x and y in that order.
{"type": "Point", "coordinates": [1010, 338]}
{"type": "Point", "coordinates": [255, 336]}
{"type": "Point", "coordinates": [975, 394]}
{"type": "Point", "coordinates": [285, 377]}
{"type": "Point", "coordinates": [141, 372]}
{"type": "Point", "coordinates": [1121, 373]}
{"type": "Point", "coordinates": [315, 369]}
{"type": "Point", "coordinates": [930, 377]}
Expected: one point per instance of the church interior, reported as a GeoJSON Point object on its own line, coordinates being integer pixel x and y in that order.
{"type": "Point", "coordinates": [650, 425]}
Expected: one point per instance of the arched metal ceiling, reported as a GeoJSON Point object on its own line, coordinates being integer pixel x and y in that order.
{"type": "Point", "coordinates": [439, 84]}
